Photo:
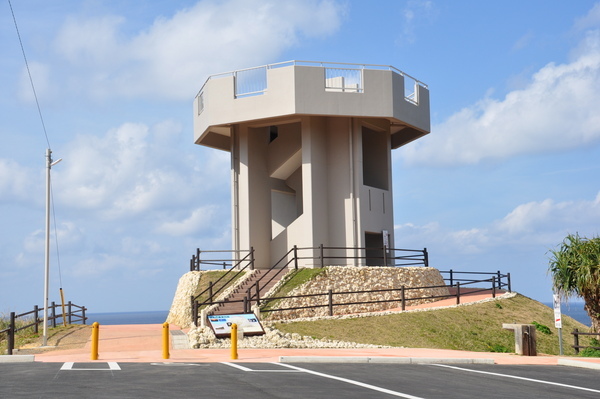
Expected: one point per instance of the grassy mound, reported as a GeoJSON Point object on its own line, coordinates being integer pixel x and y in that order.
{"type": "Point", "coordinates": [476, 327]}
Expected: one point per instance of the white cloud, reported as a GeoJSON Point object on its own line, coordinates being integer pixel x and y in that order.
{"type": "Point", "coordinates": [590, 20]}
{"type": "Point", "coordinates": [135, 169]}
{"type": "Point", "coordinates": [199, 219]}
{"type": "Point", "coordinates": [171, 58]}
{"type": "Point", "coordinates": [556, 111]}
{"type": "Point", "coordinates": [544, 223]}
{"type": "Point", "coordinates": [15, 181]}
{"type": "Point", "coordinates": [412, 14]}
{"type": "Point", "coordinates": [41, 76]}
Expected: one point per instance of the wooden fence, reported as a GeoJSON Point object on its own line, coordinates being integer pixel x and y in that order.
{"type": "Point", "coordinates": [73, 313]}
{"type": "Point", "coordinates": [497, 282]}
{"type": "Point", "coordinates": [576, 333]}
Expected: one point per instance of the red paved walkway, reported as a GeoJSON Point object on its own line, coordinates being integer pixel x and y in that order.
{"type": "Point", "coordinates": [142, 343]}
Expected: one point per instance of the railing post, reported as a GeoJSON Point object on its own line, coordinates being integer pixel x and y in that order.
{"type": "Point", "coordinates": [36, 319]}
{"type": "Point", "coordinates": [70, 312]}
{"type": "Point", "coordinates": [210, 291]}
{"type": "Point", "coordinates": [508, 278]}
{"type": "Point", "coordinates": [458, 293]}
{"type": "Point", "coordinates": [493, 286]}
{"type": "Point", "coordinates": [330, 300]}
{"type": "Point", "coordinates": [322, 260]}
{"type": "Point", "coordinates": [193, 263]}
{"type": "Point", "coordinates": [245, 304]}
{"type": "Point", "coordinates": [385, 255]}
{"type": "Point", "coordinates": [576, 341]}
{"type": "Point", "coordinates": [451, 278]}
{"type": "Point", "coordinates": [425, 257]}
{"type": "Point", "coordinates": [11, 334]}
{"type": "Point", "coordinates": [194, 306]}
{"type": "Point", "coordinates": [198, 259]}
{"type": "Point", "coordinates": [403, 296]}
{"type": "Point", "coordinates": [257, 294]}
{"type": "Point", "coordinates": [251, 258]}
{"type": "Point", "coordinates": [83, 318]}
{"type": "Point", "coordinates": [53, 314]}
{"type": "Point", "coordinates": [296, 257]}
{"type": "Point", "coordinates": [224, 265]}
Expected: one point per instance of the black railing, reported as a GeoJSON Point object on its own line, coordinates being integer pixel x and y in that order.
{"type": "Point", "coordinates": [401, 292]}
{"type": "Point", "coordinates": [230, 275]}
{"type": "Point", "coordinates": [217, 259]}
{"type": "Point", "coordinates": [31, 319]}
{"type": "Point", "coordinates": [576, 333]}
{"type": "Point", "coordinates": [325, 256]}
{"type": "Point", "coordinates": [453, 277]}
{"type": "Point", "coordinates": [497, 282]}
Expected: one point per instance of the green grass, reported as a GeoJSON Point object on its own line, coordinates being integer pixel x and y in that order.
{"type": "Point", "coordinates": [213, 276]}
{"type": "Point", "coordinates": [293, 280]}
{"type": "Point", "coordinates": [473, 328]}
{"type": "Point", "coordinates": [22, 337]}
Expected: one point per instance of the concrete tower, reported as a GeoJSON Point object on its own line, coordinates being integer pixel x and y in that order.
{"type": "Point", "coordinates": [310, 148]}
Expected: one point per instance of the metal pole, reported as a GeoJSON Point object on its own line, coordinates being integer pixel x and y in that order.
{"type": "Point", "coordinates": [95, 338]}
{"type": "Point", "coordinates": [11, 334]}
{"type": "Point", "coordinates": [47, 247]}
{"type": "Point", "coordinates": [560, 344]}
{"type": "Point", "coordinates": [49, 165]}
{"type": "Point", "coordinates": [403, 298]}
{"type": "Point", "coordinates": [234, 352]}
{"type": "Point", "coordinates": [165, 341]}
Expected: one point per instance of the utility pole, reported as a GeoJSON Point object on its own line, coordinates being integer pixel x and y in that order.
{"type": "Point", "coordinates": [49, 165]}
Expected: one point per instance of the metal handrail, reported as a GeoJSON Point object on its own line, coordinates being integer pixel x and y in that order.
{"type": "Point", "coordinates": [402, 289]}
{"type": "Point", "coordinates": [250, 263]}
{"type": "Point", "coordinates": [317, 64]}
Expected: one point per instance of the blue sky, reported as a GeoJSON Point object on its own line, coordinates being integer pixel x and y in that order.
{"type": "Point", "coordinates": [511, 165]}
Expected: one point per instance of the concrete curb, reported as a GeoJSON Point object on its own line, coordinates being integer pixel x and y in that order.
{"type": "Point", "coordinates": [17, 359]}
{"type": "Point", "coordinates": [381, 359]}
{"type": "Point", "coordinates": [578, 363]}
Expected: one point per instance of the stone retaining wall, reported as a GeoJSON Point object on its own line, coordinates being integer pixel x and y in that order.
{"type": "Point", "coordinates": [180, 313]}
{"type": "Point", "coordinates": [351, 278]}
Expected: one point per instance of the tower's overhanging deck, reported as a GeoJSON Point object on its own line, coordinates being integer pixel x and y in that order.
{"type": "Point", "coordinates": [280, 91]}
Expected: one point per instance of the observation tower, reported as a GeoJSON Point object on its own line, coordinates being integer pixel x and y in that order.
{"type": "Point", "coordinates": [311, 153]}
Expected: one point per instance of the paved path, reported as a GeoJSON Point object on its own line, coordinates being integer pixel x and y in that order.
{"type": "Point", "coordinates": [142, 343]}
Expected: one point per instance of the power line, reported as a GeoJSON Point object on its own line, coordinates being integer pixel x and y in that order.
{"type": "Point", "coordinates": [55, 236]}
{"type": "Point", "coordinates": [45, 133]}
{"type": "Point", "coordinates": [29, 74]}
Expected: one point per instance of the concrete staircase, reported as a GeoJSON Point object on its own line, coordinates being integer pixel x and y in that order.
{"type": "Point", "coordinates": [241, 291]}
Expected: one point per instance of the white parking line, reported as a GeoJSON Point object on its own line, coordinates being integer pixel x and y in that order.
{"type": "Point", "coordinates": [519, 378]}
{"type": "Point", "coordinates": [360, 384]}
{"type": "Point", "coordinates": [240, 367]}
{"type": "Point", "coordinates": [112, 366]}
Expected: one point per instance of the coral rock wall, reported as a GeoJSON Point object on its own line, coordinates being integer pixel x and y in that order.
{"type": "Point", "coordinates": [350, 278]}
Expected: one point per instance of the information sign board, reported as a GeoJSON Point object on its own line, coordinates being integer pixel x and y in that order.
{"type": "Point", "coordinates": [246, 322]}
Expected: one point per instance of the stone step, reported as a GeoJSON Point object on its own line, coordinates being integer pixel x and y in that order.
{"type": "Point", "coordinates": [241, 291]}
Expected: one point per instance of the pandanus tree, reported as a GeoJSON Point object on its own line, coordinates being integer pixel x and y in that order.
{"type": "Point", "coordinates": [575, 269]}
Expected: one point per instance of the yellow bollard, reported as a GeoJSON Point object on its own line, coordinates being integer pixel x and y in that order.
{"type": "Point", "coordinates": [95, 337]}
{"type": "Point", "coordinates": [234, 354]}
{"type": "Point", "coordinates": [165, 340]}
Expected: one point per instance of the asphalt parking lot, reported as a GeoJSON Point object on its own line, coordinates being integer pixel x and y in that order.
{"type": "Point", "coordinates": [293, 381]}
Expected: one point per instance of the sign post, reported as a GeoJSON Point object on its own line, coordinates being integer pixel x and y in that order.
{"type": "Point", "coordinates": [558, 321]}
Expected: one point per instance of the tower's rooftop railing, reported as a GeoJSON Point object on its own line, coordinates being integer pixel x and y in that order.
{"type": "Point", "coordinates": [338, 77]}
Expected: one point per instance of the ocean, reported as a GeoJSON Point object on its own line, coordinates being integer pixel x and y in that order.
{"type": "Point", "coordinates": [150, 317]}
{"type": "Point", "coordinates": [574, 310]}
